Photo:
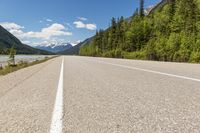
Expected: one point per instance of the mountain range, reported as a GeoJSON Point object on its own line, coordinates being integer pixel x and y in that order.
{"type": "Point", "coordinates": [8, 40]}
{"type": "Point", "coordinates": [75, 49]}
{"type": "Point", "coordinates": [55, 48]}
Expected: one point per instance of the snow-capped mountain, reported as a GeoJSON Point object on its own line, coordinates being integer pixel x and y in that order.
{"type": "Point", "coordinates": [149, 9]}
{"type": "Point", "coordinates": [55, 47]}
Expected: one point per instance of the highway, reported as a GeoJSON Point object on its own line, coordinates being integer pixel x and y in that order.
{"type": "Point", "coordinates": [73, 94]}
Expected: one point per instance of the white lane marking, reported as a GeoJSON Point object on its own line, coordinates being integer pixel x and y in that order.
{"type": "Point", "coordinates": [151, 71]}
{"type": "Point", "coordinates": [56, 123]}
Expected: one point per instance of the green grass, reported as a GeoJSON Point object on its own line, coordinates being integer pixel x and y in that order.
{"type": "Point", "coordinates": [9, 69]}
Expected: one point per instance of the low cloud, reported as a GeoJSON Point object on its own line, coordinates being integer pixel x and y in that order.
{"type": "Point", "coordinates": [81, 25]}
{"type": "Point", "coordinates": [53, 30]}
{"type": "Point", "coordinates": [82, 18]}
{"type": "Point", "coordinates": [11, 26]}
{"type": "Point", "coordinates": [49, 20]}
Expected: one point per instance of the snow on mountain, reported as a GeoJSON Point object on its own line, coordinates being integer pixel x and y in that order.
{"type": "Point", "coordinates": [54, 47]}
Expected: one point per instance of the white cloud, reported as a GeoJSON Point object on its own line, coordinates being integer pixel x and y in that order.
{"type": "Point", "coordinates": [91, 26]}
{"type": "Point", "coordinates": [49, 20]}
{"type": "Point", "coordinates": [45, 33]}
{"type": "Point", "coordinates": [26, 42]}
{"type": "Point", "coordinates": [17, 32]}
{"type": "Point", "coordinates": [43, 43]}
{"type": "Point", "coordinates": [51, 31]}
{"type": "Point", "coordinates": [11, 26]}
{"type": "Point", "coordinates": [82, 18]}
{"type": "Point", "coordinates": [80, 24]}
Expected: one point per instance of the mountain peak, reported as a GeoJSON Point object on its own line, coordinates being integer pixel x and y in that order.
{"type": "Point", "coordinates": [54, 47]}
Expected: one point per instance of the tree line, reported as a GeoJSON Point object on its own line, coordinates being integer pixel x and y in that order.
{"type": "Point", "coordinates": [4, 51]}
{"type": "Point", "coordinates": [169, 33]}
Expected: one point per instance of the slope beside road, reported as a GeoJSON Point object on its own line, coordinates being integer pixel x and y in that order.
{"type": "Point", "coordinates": [101, 95]}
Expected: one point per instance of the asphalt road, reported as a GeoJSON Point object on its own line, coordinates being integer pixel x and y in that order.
{"type": "Point", "coordinates": [95, 95]}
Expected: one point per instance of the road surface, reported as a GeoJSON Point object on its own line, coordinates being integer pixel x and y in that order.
{"type": "Point", "coordinates": [96, 95]}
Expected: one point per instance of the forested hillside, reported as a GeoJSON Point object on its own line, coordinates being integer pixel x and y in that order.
{"type": "Point", "coordinates": [170, 33]}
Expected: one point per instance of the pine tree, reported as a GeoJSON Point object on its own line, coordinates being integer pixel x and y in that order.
{"type": "Point", "coordinates": [170, 33]}
{"type": "Point", "coordinates": [12, 53]}
{"type": "Point", "coordinates": [113, 35]}
{"type": "Point", "coordinates": [141, 8]}
{"type": "Point", "coordinates": [171, 8]}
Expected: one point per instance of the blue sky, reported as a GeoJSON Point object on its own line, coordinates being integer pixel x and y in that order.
{"type": "Point", "coordinates": [44, 21]}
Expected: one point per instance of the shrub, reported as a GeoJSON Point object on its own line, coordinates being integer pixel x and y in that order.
{"type": "Point", "coordinates": [150, 50]}
{"type": "Point", "coordinates": [195, 57]}
{"type": "Point", "coordinates": [135, 55]}
{"type": "Point", "coordinates": [118, 53]}
{"type": "Point", "coordinates": [110, 54]}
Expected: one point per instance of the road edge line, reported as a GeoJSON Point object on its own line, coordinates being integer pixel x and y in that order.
{"type": "Point", "coordinates": [152, 71]}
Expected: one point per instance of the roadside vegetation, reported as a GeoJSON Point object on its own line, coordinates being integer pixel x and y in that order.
{"type": "Point", "coordinates": [13, 66]}
{"type": "Point", "coordinates": [171, 32]}
{"type": "Point", "coordinates": [9, 69]}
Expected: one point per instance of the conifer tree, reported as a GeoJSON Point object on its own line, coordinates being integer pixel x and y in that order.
{"type": "Point", "coordinates": [141, 8]}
